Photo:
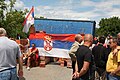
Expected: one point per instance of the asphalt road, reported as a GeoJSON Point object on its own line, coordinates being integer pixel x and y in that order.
{"type": "Point", "coordinates": [52, 71]}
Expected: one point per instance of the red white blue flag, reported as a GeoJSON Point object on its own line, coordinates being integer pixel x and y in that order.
{"type": "Point", "coordinates": [53, 45]}
{"type": "Point", "coordinates": [29, 20]}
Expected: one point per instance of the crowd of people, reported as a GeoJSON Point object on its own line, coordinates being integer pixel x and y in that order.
{"type": "Point", "coordinates": [92, 58]}
{"type": "Point", "coordinates": [98, 62]}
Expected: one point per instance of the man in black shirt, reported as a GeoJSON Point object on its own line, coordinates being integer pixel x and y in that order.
{"type": "Point", "coordinates": [100, 56]}
{"type": "Point", "coordinates": [84, 59]}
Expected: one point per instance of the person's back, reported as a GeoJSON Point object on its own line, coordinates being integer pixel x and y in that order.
{"type": "Point", "coordinates": [84, 59]}
{"type": "Point", "coordinates": [99, 53]}
{"type": "Point", "coordinates": [100, 57]}
{"type": "Point", "coordinates": [9, 52]}
{"type": "Point", "coordinates": [83, 54]}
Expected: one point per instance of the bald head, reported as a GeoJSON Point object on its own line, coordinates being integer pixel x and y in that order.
{"type": "Point", "coordinates": [78, 38]}
{"type": "Point", "coordinates": [2, 32]}
{"type": "Point", "coordinates": [118, 35]}
{"type": "Point", "coordinates": [88, 38]}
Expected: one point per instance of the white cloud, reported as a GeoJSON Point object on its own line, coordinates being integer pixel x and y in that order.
{"type": "Point", "coordinates": [64, 9]}
{"type": "Point", "coordinates": [19, 5]}
{"type": "Point", "coordinates": [79, 9]}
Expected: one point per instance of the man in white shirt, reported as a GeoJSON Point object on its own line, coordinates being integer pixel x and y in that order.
{"type": "Point", "coordinates": [9, 52]}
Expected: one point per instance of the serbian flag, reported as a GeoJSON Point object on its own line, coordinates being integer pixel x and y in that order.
{"type": "Point", "coordinates": [53, 45]}
{"type": "Point", "coordinates": [29, 20]}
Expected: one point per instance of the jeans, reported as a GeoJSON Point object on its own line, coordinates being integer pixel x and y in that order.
{"type": "Point", "coordinates": [110, 77]}
{"type": "Point", "coordinates": [9, 74]}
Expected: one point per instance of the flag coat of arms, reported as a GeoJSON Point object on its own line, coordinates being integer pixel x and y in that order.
{"type": "Point", "coordinates": [29, 20]}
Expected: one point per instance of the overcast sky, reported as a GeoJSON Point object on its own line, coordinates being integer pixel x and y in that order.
{"type": "Point", "coordinates": [72, 9]}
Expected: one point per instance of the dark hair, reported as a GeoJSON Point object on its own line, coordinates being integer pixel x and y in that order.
{"type": "Point", "coordinates": [34, 44]}
{"type": "Point", "coordinates": [102, 39]}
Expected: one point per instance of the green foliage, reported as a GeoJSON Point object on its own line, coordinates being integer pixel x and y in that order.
{"type": "Point", "coordinates": [3, 7]}
{"type": "Point", "coordinates": [41, 17]}
{"type": "Point", "coordinates": [12, 2]}
{"type": "Point", "coordinates": [109, 26]}
{"type": "Point", "coordinates": [12, 20]}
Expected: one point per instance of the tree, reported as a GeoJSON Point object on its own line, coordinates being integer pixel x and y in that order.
{"type": "Point", "coordinates": [12, 2]}
{"type": "Point", "coordinates": [41, 17]}
{"type": "Point", "coordinates": [14, 20]}
{"type": "Point", "coordinates": [109, 26]}
{"type": "Point", "coordinates": [3, 7]}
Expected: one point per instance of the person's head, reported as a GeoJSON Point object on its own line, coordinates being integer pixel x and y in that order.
{"type": "Point", "coordinates": [102, 39]}
{"type": "Point", "coordinates": [113, 43]}
{"type": "Point", "coordinates": [78, 38]}
{"type": "Point", "coordinates": [2, 32]}
{"type": "Point", "coordinates": [33, 45]}
{"type": "Point", "coordinates": [88, 39]}
{"type": "Point", "coordinates": [118, 38]}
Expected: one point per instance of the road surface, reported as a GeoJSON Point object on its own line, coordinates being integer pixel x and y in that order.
{"type": "Point", "coordinates": [52, 71]}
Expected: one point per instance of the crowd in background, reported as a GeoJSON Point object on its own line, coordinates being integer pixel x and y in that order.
{"type": "Point", "coordinates": [96, 58]}
{"type": "Point", "coordinates": [92, 58]}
